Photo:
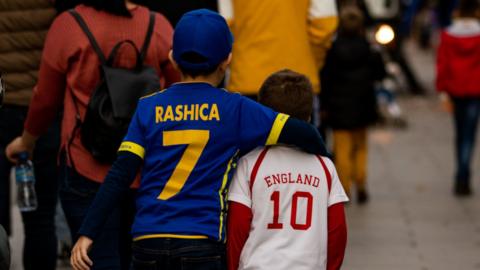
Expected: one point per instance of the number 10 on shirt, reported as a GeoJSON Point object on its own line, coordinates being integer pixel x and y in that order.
{"type": "Point", "coordinates": [196, 140]}
{"type": "Point", "coordinates": [275, 198]}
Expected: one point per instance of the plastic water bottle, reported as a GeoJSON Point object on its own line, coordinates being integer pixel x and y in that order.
{"type": "Point", "coordinates": [25, 178]}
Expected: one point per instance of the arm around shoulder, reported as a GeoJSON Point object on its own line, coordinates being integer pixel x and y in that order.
{"type": "Point", "coordinates": [303, 135]}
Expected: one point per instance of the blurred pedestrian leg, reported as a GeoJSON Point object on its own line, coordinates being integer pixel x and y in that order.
{"type": "Point", "coordinates": [350, 148]}
{"type": "Point", "coordinates": [466, 114]}
{"type": "Point", "coordinates": [4, 250]}
{"type": "Point", "coordinates": [40, 246]}
{"type": "Point", "coordinates": [40, 237]}
{"type": "Point", "coordinates": [64, 238]}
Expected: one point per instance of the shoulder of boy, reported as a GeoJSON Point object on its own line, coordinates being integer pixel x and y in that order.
{"type": "Point", "coordinates": [151, 95]}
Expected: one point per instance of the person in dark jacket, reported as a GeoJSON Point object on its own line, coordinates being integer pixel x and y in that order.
{"type": "Point", "coordinates": [23, 27]}
{"type": "Point", "coordinates": [348, 97]}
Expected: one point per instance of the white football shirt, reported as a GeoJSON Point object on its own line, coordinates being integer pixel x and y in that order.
{"type": "Point", "coordinates": [289, 194]}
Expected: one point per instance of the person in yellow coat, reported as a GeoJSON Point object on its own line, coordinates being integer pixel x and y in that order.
{"type": "Point", "coordinates": [273, 35]}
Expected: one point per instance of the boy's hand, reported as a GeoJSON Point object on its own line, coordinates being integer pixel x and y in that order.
{"type": "Point", "coordinates": [79, 258]}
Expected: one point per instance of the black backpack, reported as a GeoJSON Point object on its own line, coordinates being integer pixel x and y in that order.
{"type": "Point", "coordinates": [115, 98]}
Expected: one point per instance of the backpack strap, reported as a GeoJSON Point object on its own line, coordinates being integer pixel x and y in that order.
{"type": "Point", "coordinates": [113, 53]}
{"type": "Point", "coordinates": [148, 37]}
{"type": "Point", "coordinates": [76, 128]}
{"type": "Point", "coordinates": [89, 35]}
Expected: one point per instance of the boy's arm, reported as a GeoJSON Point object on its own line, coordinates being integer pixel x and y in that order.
{"type": "Point", "coordinates": [116, 184]}
{"type": "Point", "coordinates": [337, 236]}
{"type": "Point", "coordinates": [119, 178]}
{"type": "Point", "coordinates": [337, 227]}
{"type": "Point", "coordinates": [303, 135]}
{"type": "Point", "coordinates": [239, 221]}
{"type": "Point", "coordinates": [260, 126]}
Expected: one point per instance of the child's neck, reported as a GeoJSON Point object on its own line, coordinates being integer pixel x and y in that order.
{"type": "Point", "coordinates": [212, 80]}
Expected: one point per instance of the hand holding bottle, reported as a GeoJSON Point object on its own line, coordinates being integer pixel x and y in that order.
{"type": "Point", "coordinates": [25, 179]}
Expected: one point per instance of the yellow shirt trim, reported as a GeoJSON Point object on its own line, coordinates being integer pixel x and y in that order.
{"type": "Point", "coordinates": [132, 148]}
{"type": "Point", "coordinates": [153, 94]}
{"type": "Point", "coordinates": [277, 127]}
{"type": "Point", "coordinates": [150, 236]}
{"type": "Point", "coordinates": [220, 193]}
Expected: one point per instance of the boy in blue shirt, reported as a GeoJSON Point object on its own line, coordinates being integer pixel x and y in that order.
{"type": "Point", "coordinates": [187, 139]}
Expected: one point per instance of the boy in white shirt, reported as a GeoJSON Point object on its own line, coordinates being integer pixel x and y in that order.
{"type": "Point", "coordinates": [286, 206]}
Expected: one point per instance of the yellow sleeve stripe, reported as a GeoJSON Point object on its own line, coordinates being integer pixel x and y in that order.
{"type": "Point", "coordinates": [277, 127]}
{"type": "Point", "coordinates": [132, 148]}
{"type": "Point", "coordinates": [220, 193]}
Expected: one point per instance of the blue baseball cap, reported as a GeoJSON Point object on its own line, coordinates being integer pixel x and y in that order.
{"type": "Point", "coordinates": [204, 33]}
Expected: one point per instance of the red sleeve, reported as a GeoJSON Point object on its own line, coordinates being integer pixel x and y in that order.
{"type": "Point", "coordinates": [337, 236]}
{"type": "Point", "coordinates": [164, 33]}
{"type": "Point", "coordinates": [442, 65]}
{"type": "Point", "coordinates": [46, 101]}
{"type": "Point", "coordinates": [238, 228]}
{"type": "Point", "coordinates": [48, 94]}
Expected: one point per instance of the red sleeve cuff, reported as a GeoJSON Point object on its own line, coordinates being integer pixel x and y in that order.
{"type": "Point", "coordinates": [239, 221]}
{"type": "Point", "coordinates": [337, 236]}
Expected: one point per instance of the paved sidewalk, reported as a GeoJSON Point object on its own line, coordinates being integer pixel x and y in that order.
{"type": "Point", "coordinates": [413, 221]}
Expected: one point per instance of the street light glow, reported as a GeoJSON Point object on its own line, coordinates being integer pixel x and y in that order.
{"type": "Point", "coordinates": [384, 34]}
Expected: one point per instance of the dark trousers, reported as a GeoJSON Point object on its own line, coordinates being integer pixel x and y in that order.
{"type": "Point", "coordinates": [466, 114]}
{"type": "Point", "coordinates": [178, 254]}
{"type": "Point", "coordinates": [112, 248]}
{"type": "Point", "coordinates": [40, 247]}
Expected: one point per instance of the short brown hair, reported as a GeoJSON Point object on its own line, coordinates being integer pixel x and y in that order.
{"type": "Point", "coordinates": [288, 92]}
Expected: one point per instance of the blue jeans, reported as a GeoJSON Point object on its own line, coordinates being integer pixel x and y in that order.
{"type": "Point", "coordinates": [178, 254]}
{"type": "Point", "coordinates": [466, 114]}
{"type": "Point", "coordinates": [112, 248]}
{"type": "Point", "coordinates": [40, 246]}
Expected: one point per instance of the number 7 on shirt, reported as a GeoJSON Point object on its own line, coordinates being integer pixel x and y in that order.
{"type": "Point", "coordinates": [196, 141]}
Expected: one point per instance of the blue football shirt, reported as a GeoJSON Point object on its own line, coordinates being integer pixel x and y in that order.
{"type": "Point", "coordinates": [190, 136]}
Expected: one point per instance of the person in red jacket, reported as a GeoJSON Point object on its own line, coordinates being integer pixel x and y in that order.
{"type": "Point", "coordinates": [286, 206]}
{"type": "Point", "coordinates": [458, 73]}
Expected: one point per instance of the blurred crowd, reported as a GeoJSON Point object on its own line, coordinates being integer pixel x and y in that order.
{"type": "Point", "coordinates": [48, 69]}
